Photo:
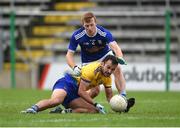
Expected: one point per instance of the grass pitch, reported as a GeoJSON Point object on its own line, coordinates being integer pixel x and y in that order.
{"type": "Point", "coordinates": [151, 109]}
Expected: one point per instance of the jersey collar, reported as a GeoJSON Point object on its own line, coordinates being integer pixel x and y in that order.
{"type": "Point", "coordinates": [89, 35]}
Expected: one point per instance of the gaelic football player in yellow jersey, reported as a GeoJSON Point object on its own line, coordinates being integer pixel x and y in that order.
{"type": "Point", "coordinates": [71, 91]}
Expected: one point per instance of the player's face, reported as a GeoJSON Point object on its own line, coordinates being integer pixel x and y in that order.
{"type": "Point", "coordinates": [90, 27]}
{"type": "Point", "coordinates": [108, 68]}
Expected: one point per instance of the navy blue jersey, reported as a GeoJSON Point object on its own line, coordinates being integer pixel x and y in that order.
{"type": "Point", "coordinates": [92, 48]}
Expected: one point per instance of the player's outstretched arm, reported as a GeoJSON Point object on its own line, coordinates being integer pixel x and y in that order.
{"type": "Point", "coordinates": [70, 58]}
{"type": "Point", "coordinates": [118, 52]}
{"type": "Point", "coordinates": [82, 91]}
{"type": "Point", "coordinates": [109, 93]}
{"type": "Point", "coordinates": [116, 49]}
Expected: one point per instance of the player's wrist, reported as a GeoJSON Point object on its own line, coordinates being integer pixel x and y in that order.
{"type": "Point", "coordinates": [121, 60]}
{"type": "Point", "coordinates": [95, 104]}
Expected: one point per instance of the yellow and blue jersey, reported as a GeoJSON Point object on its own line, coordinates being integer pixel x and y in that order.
{"type": "Point", "coordinates": [90, 73]}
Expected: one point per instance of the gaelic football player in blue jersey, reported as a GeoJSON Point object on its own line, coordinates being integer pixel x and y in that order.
{"type": "Point", "coordinates": [96, 42]}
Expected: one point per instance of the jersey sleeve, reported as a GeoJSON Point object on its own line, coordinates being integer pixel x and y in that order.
{"type": "Point", "coordinates": [109, 36]}
{"type": "Point", "coordinates": [73, 44]}
{"type": "Point", "coordinates": [87, 73]}
{"type": "Point", "coordinates": [107, 82]}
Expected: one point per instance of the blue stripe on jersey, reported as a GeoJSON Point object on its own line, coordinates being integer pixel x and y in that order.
{"type": "Point", "coordinates": [92, 48]}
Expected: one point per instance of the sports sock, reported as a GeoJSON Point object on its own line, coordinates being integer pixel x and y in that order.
{"type": "Point", "coordinates": [35, 107]}
{"type": "Point", "coordinates": [123, 93]}
{"type": "Point", "coordinates": [69, 110]}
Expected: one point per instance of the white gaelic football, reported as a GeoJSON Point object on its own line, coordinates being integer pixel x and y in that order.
{"type": "Point", "coordinates": [118, 103]}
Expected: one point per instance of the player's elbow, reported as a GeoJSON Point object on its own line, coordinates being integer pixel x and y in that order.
{"type": "Point", "coordinates": [67, 56]}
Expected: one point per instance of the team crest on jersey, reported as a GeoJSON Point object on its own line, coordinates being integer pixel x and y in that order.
{"type": "Point", "coordinates": [99, 41]}
{"type": "Point", "coordinates": [93, 42]}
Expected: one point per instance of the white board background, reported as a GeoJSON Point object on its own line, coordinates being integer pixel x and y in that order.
{"type": "Point", "coordinates": [139, 76]}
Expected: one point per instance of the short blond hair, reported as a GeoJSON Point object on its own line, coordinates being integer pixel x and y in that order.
{"type": "Point", "coordinates": [87, 17]}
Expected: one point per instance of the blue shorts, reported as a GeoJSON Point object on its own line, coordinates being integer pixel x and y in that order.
{"type": "Point", "coordinates": [69, 84]}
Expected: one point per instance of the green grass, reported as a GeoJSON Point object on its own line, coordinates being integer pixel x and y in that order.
{"type": "Point", "coordinates": [151, 109]}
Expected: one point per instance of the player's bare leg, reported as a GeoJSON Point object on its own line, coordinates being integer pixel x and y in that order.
{"type": "Point", "coordinates": [57, 98]}
{"type": "Point", "coordinates": [79, 105]}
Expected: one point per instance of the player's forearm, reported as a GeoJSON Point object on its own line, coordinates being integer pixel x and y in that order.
{"type": "Point", "coordinates": [109, 93]}
{"type": "Point", "coordinates": [109, 97]}
{"type": "Point", "coordinates": [86, 96]}
{"type": "Point", "coordinates": [115, 47]}
{"type": "Point", "coordinates": [70, 59]}
{"type": "Point", "coordinates": [118, 52]}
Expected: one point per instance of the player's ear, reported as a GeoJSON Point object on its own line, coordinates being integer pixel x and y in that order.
{"type": "Point", "coordinates": [102, 63]}
{"type": "Point", "coordinates": [82, 22]}
{"type": "Point", "coordinates": [95, 20]}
